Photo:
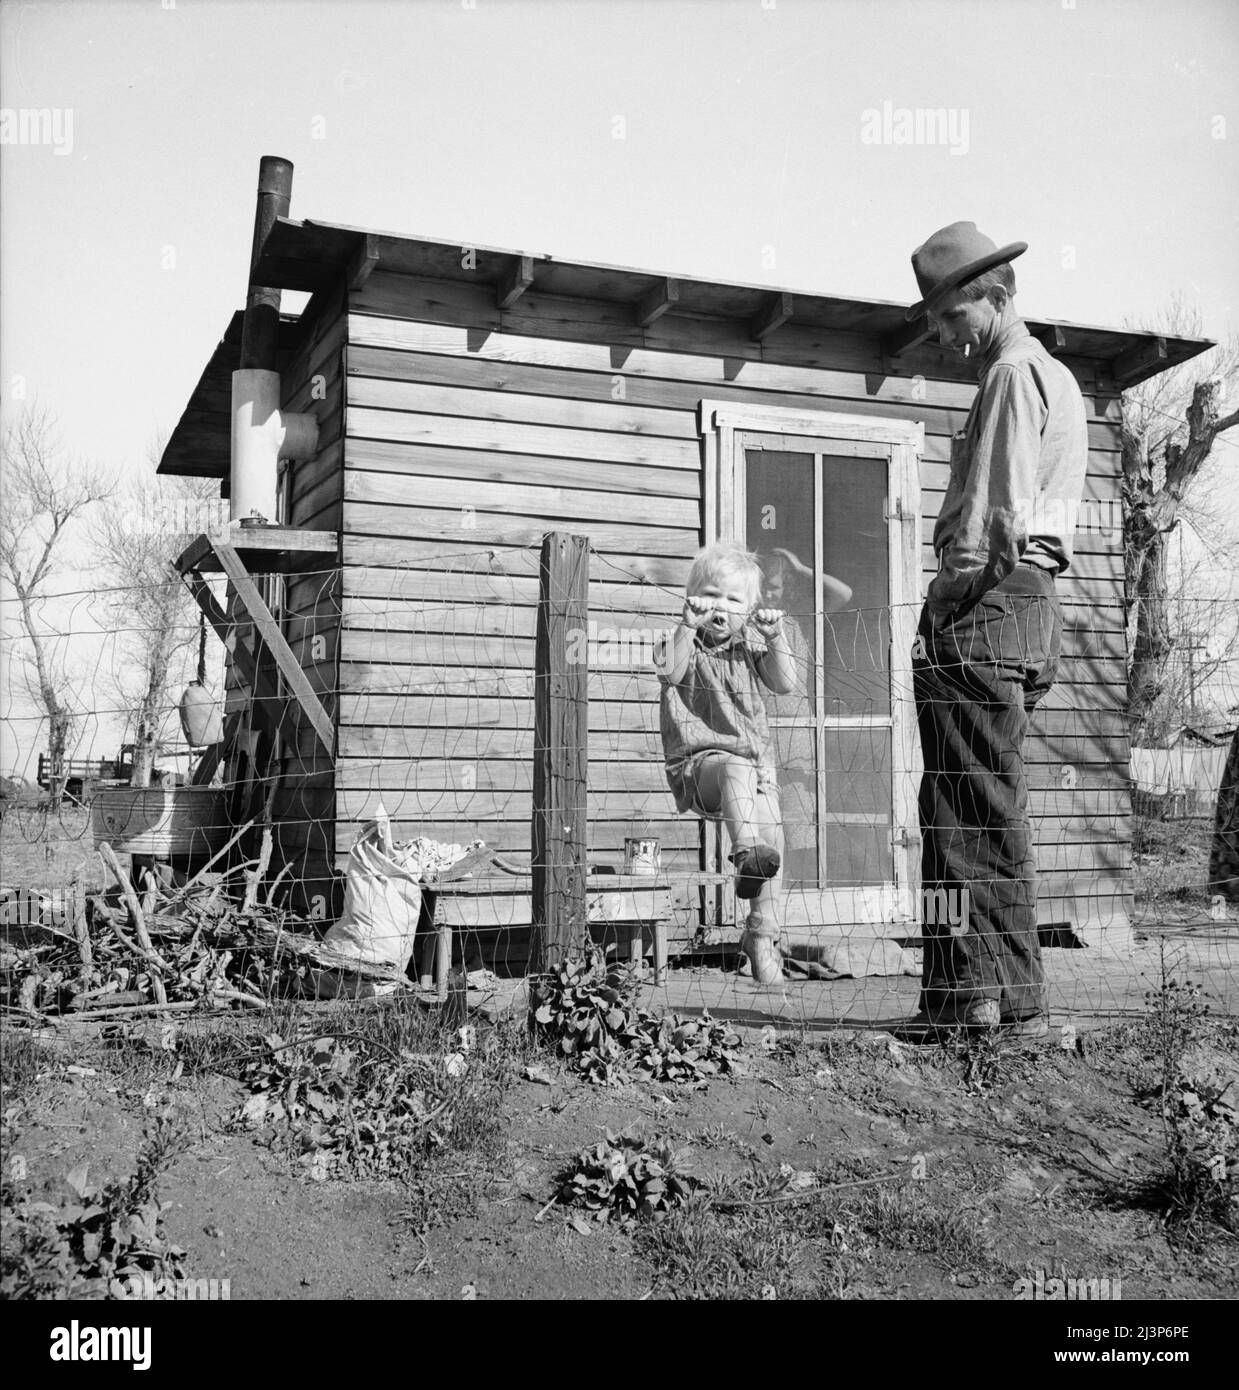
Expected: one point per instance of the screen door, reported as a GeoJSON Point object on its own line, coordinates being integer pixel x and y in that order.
{"type": "Point", "coordinates": [828, 513]}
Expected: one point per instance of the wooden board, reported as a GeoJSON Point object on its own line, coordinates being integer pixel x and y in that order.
{"type": "Point", "coordinates": [435, 461]}
{"type": "Point", "coordinates": [461, 553]}
{"type": "Point", "coordinates": [509, 531]}
{"type": "Point", "coordinates": [387, 340]}
{"type": "Point", "coordinates": [501, 436]}
{"type": "Point", "coordinates": [518, 499]}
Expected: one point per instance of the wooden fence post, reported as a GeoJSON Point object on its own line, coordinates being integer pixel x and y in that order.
{"type": "Point", "coordinates": [561, 750]}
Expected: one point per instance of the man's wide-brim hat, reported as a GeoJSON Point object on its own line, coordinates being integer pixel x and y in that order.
{"type": "Point", "coordinates": [952, 257]}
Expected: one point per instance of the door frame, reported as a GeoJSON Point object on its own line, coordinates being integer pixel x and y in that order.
{"type": "Point", "coordinates": [723, 426]}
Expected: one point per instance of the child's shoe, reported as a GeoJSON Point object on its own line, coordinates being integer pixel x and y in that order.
{"type": "Point", "coordinates": [753, 867]}
{"type": "Point", "coordinates": [764, 956]}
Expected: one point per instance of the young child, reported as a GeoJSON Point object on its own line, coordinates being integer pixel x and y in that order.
{"type": "Point", "coordinates": [716, 739]}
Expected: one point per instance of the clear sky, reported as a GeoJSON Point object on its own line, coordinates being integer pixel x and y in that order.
{"type": "Point", "coordinates": [731, 139]}
{"type": "Point", "coordinates": [1088, 128]}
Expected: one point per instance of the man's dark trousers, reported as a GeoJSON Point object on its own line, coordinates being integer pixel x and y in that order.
{"type": "Point", "coordinates": [976, 681]}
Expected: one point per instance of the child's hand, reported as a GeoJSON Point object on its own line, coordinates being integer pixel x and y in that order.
{"type": "Point", "coordinates": [697, 611]}
{"type": "Point", "coordinates": [768, 622]}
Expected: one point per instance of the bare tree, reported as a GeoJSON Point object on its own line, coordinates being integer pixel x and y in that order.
{"type": "Point", "coordinates": [43, 494]}
{"type": "Point", "coordinates": [137, 536]}
{"type": "Point", "coordinates": [1169, 428]}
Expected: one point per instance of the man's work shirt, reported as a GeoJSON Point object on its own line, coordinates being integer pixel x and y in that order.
{"type": "Point", "coordinates": [1017, 474]}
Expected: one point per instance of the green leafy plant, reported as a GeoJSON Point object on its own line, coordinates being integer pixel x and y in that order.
{"type": "Point", "coordinates": [683, 1049]}
{"type": "Point", "coordinates": [625, 1177]}
{"type": "Point", "coordinates": [91, 1245]}
{"type": "Point", "coordinates": [588, 1012]}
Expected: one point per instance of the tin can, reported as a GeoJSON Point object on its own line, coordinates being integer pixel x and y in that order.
{"type": "Point", "coordinates": [642, 857]}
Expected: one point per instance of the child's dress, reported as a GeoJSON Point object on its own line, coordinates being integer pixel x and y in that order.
{"type": "Point", "coordinates": [718, 706]}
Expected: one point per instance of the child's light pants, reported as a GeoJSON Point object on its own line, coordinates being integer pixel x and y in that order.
{"type": "Point", "coordinates": [735, 791]}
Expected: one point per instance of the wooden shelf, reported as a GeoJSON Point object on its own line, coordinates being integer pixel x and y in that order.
{"type": "Point", "coordinates": [261, 549]}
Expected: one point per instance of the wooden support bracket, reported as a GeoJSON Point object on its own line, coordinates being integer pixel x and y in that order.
{"type": "Point", "coordinates": [776, 313]}
{"type": "Point", "coordinates": [269, 630]}
{"type": "Point", "coordinates": [267, 701]}
{"type": "Point", "coordinates": [1052, 338]}
{"type": "Point", "coordinates": [652, 306]}
{"type": "Point", "coordinates": [516, 280]}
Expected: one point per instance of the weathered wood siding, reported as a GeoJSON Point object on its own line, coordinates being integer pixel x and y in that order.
{"type": "Point", "coordinates": [470, 432]}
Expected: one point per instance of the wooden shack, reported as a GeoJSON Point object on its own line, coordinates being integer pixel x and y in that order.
{"type": "Point", "coordinates": [472, 400]}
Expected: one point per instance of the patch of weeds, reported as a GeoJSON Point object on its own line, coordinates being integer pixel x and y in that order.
{"type": "Point", "coordinates": [705, 1251]}
{"type": "Point", "coordinates": [91, 1245]}
{"type": "Point", "coordinates": [25, 1062]}
{"type": "Point", "coordinates": [716, 1136]}
{"type": "Point", "coordinates": [379, 1100]}
{"type": "Point", "coordinates": [983, 1058]}
{"type": "Point", "coordinates": [915, 1216]}
{"type": "Point", "coordinates": [588, 1012]}
{"type": "Point", "coordinates": [700, 1252]}
{"type": "Point", "coordinates": [814, 1234]}
{"type": "Point", "coordinates": [1196, 1188]}
{"type": "Point", "coordinates": [625, 1177]}
{"type": "Point", "coordinates": [753, 1238]}
{"type": "Point", "coordinates": [443, 1189]}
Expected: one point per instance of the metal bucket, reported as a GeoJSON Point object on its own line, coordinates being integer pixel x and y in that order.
{"type": "Point", "coordinates": [642, 857]}
{"type": "Point", "coordinates": [160, 821]}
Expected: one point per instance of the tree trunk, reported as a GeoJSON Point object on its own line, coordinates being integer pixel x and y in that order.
{"type": "Point", "coordinates": [1150, 515]}
{"type": "Point", "coordinates": [143, 759]}
{"type": "Point", "coordinates": [1224, 861]}
{"type": "Point", "coordinates": [59, 722]}
{"type": "Point", "coordinates": [1153, 643]}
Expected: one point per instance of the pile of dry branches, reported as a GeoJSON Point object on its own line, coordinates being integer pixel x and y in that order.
{"type": "Point", "coordinates": [168, 949]}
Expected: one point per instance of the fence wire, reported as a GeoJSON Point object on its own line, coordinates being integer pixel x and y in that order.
{"type": "Point", "coordinates": [425, 675]}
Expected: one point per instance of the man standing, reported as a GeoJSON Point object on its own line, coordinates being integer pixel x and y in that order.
{"type": "Point", "coordinates": [988, 643]}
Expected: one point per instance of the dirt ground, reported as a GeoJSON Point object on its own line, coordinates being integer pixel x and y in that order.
{"type": "Point", "coordinates": [838, 1163]}
{"type": "Point", "coordinates": [984, 1181]}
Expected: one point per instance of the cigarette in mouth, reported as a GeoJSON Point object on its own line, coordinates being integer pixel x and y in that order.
{"type": "Point", "coordinates": [967, 349]}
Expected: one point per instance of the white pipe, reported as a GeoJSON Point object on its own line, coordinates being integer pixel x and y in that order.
{"type": "Point", "coordinates": [262, 434]}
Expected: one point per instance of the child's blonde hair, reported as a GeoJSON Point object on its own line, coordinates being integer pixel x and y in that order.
{"type": "Point", "coordinates": [726, 560]}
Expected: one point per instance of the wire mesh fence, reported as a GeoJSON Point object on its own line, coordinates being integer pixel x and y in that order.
{"type": "Point", "coordinates": [427, 674]}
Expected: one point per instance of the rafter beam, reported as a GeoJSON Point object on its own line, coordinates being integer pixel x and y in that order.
{"type": "Point", "coordinates": [514, 282]}
{"type": "Point", "coordinates": [774, 315]}
{"type": "Point", "coordinates": [652, 306]}
{"type": "Point", "coordinates": [904, 339]}
{"type": "Point", "coordinates": [1139, 362]}
{"type": "Point", "coordinates": [363, 262]}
